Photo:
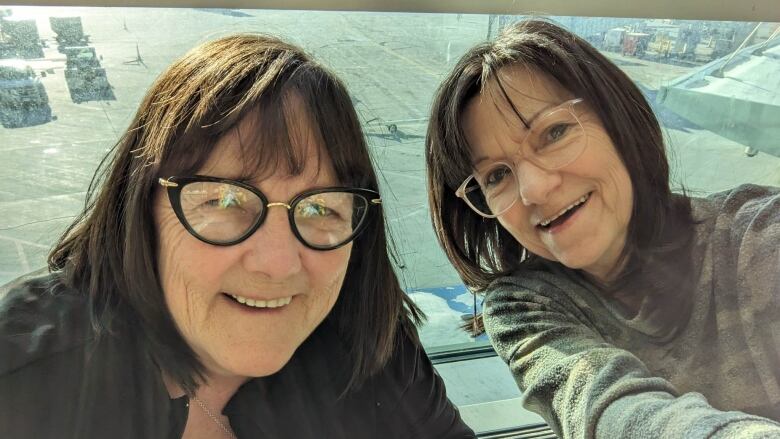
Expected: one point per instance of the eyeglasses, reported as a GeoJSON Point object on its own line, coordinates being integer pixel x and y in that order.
{"type": "Point", "coordinates": [554, 139]}
{"type": "Point", "coordinates": [226, 212]}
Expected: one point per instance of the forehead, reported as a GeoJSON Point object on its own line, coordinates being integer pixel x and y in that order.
{"type": "Point", "coordinates": [249, 151]}
{"type": "Point", "coordinates": [489, 121]}
{"type": "Point", "coordinates": [529, 89]}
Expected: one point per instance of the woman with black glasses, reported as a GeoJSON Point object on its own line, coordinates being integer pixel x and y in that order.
{"type": "Point", "coordinates": [623, 310]}
{"type": "Point", "coordinates": [229, 277]}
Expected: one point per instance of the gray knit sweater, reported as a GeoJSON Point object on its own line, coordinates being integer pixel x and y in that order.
{"type": "Point", "coordinates": [592, 371]}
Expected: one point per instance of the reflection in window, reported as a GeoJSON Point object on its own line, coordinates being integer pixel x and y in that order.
{"type": "Point", "coordinates": [71, 78]}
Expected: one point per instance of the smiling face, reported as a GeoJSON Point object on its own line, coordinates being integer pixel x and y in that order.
{"type": "Point", "coordinates": [270, 268]}
{"type": "Point", "coordinates": [550, 218]}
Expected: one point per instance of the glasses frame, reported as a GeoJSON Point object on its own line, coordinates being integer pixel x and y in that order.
{"type": "Point", "coordinates": [174, 185]}
{"type": "Point", "coordinates": [514, 158]}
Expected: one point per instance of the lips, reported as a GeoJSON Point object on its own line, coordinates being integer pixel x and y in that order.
{"type": "Point", "coordinates": [564, 213]}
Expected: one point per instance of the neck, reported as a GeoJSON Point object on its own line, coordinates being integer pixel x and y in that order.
{"type": "Point", "coordinates": [607, 269]}
{"type": "Point", "coordinates": [603, 276]}
{"type": "Point", "coordinates": [216, 391]}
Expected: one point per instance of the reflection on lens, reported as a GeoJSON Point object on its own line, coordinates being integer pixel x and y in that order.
{"type": "Point", "coordinates": [495, 191]}
{"type": "Point", "coordinates": [330, 218]}
{"type": "Point", "coordinates": [556, 139]}
{"type": "Point", "coordinates": [219, 212]}
{"type": "Point", "coordinates": [476, 197]}
{"type": "Point", "coordinates": [222, 213]}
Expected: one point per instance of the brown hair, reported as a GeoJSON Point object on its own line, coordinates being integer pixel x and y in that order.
{"type": "Point", "coordinates": [480, 249]}
{"type": "Point", "coordinates": [109, 252]}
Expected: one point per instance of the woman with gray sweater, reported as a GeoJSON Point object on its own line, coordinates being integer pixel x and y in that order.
{"type": "Point", "coordinates": [621, 308]}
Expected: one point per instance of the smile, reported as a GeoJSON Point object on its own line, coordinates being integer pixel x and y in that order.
{"type": "Point", "coordinates": [257, 303]}
{"type": "Point", "coordinates": [547, 221]}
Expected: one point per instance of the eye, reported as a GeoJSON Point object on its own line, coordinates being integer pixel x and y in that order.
{"type": "Point", "coordinates": [227, 199]}
{"type": "Point", "coordinates": [222, 203]}
{"type": "Point", "coordinates": [496, 176]}
{"type": "Point", "coordinates": [555, 133]}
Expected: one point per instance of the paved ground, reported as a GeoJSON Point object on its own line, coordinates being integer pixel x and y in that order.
{"type": "Point", "coordinates": [392, 64]}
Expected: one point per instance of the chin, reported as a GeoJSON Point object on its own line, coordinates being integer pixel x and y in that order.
{"type": "Point", "coordinates": [257, 361]}
{"type": "Point", "coordinates": [579, 263]}
{"type": "Point", "coordinates": [590, 265]}
{"type": "Point", "coordinates": [262, 367]}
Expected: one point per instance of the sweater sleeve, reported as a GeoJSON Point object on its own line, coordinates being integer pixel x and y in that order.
{"type": "Point", "coordinates": [583, 386]}
{"type": "Point", "coordinates": [748, 230]}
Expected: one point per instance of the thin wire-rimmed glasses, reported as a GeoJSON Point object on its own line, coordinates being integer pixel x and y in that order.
{"type": "Point", "coordinates": [225, 212]}
{"type": "Point", "coordinates": [554, 139]}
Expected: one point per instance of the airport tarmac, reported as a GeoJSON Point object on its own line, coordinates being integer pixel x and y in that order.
{"type": "Point", "coordinates": [392, 64]}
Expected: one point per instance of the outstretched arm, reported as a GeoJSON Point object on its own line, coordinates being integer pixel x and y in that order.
{"type": "Point", "coordinates": [585, 388]}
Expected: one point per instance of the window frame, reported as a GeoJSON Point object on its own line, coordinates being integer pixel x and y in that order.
{"type": "Point", "coordinates": [718, 10]}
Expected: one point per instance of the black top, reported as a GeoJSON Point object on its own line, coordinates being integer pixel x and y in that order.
{"type": "Point", "coordinates": [57, 379]}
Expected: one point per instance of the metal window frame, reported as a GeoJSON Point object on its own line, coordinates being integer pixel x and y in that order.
{"type": "Point", "coordinates": [452, 353]}
{"type": "Point", "coordinates": [753, 10]}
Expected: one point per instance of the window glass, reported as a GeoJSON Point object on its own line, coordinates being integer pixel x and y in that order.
{"type": "Point", "coordinates": [71, 79]}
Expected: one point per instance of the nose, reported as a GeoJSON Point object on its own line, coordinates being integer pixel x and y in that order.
{"type": "Point", "coordinates": [273, 250]}
{"type": "Point", "coordinates": [535, 183]}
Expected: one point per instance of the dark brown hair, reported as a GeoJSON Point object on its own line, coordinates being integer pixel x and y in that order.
{"type": "Point", "coordinates": [480, 249]}
{"type": "Point", "coordinates": [109, 252]}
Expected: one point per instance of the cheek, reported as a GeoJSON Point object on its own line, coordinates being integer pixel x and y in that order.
{"type": "Point", "coordinates": [511, 222]}
{"type": "Point", "coordinates": [626, 194]}
{"type": "Point", "coordinates": [181, 257]}
{"type": "Point", "coordinates": [326, 276]}
{"type": "Point", "coordinates": [622, 191]}
{"type": "Point", "coordinates": [603, 165]}
{"type": "Point", "coordinates": [516, 222]}
{"type": "Point", "coordinates": [323, 300]}
{"type": "Point", "coordinates": [189, 272]}
{"type": "Point", "coordinates": [169, 261]}
{"type": "Point", "coordinates": [626, 204]}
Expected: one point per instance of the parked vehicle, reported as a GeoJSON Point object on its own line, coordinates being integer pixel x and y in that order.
{"type": "Point", "coordinates": [23, 98]}
{"type": "Point", "coordinates": [613, 39]}
{"type": "Point", "coordinates": [70, 32]}
{"type": "Point", "coordinates": [86, 79]}
{"type": "Point", "coordinates": [635, 44]}
{"type": "Point", "coordinates": [19, 39]}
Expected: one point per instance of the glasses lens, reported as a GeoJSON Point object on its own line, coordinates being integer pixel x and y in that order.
{"type": "Point", "coordinates": [219, 212]}
{"type": "Point", "coordinates": [493, 190]}
{"type": "Point", "coordinates": [329, 219]}
{"type": "Point", "coordinates": [556, 139]}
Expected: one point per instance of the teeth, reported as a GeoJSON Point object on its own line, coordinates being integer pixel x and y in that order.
{"type": "Point", "coordinates": [581, 200]}
{"type": "Point", "coordinates": [256, 303]}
